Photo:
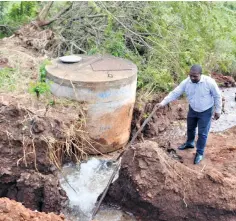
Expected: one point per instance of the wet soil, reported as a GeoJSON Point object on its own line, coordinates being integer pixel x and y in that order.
{"type": "Point", "coordinates": [161, 120]}
{"type": "Point", "coordinates": [220, 153]}
{"type": "Point", "coordinates": [156, 187]}
{"type": "Point", "coordinates": [13, 211]}
{"type": "Point", "coordinates": [26, 173]}
{"type": "Point", "coordinates": [159, 182]}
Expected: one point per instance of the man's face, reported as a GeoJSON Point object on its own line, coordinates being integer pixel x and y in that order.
{"type": "Point", "coordinates": [194, 76]}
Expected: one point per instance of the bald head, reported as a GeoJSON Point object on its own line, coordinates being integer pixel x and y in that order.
{"type": "Point", "coordinates": [195, 73]}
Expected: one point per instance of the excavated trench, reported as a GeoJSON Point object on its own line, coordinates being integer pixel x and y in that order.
{"type": "Point", "coordinates": [26, 174]}
{"type": "Point", "coordinates": [159, 183]}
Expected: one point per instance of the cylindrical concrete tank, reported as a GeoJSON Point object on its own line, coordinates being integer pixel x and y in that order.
{"type": "Point", "coordinates": [108, 86]}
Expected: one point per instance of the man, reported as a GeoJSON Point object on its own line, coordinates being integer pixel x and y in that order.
{"type": "Point", "coordinates": [204, 98]}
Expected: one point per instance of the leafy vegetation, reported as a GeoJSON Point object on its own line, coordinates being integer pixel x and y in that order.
{"type": "Point", "coordinates": [42, 86]}
{"type": "Point", "coordinates": [162, 38]}
{"type": "Point", "coordinates": [14, 14]}
{"type": "Point", "coordinates": [39, 88]}
{"type": "Point", "coordinates": [22, 11]}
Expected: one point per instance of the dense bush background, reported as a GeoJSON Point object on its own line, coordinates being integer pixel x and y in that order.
{"type": "Point", "coordinates": [163, 38]}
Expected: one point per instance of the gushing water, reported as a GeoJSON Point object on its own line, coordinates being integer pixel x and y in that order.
{"type": "Point", "coordinates": [83, 183]}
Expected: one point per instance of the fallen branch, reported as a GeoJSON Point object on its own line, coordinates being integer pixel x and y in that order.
{"type": "Point", "coordinates": [42, 23]}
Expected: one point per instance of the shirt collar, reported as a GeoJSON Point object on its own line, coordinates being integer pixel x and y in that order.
{"type": "Point", "coordinates": [201, 80]}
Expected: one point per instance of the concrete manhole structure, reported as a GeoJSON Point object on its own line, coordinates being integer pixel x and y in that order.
{"type": "Point", "coordinates": [107, 85]}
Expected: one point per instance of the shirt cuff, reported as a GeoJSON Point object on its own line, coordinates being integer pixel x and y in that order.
{"type": "Point", "coordinates": [164, 103]}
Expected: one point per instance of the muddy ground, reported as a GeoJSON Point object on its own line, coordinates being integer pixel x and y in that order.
{"type": "Point", "coordinates": [156, 187]}
{"type": "Point", "coordinates": [159, 182]}
{"type": "Point", "coordinates": [26, 173]}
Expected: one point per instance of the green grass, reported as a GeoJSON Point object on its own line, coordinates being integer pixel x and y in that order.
{"type": "Point", "coordinates": [8, 79]}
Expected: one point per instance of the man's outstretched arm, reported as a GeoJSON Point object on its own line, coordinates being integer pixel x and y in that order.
{"type": "Point", "coordinates": [173, 95]}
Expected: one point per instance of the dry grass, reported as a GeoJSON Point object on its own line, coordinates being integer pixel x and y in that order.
{"type": "Point", "coordinates": [73, 143]}
{"type": "Point", "coordinates": [24, 70]}
{"type": "Point", "coordinates": [76, 146]}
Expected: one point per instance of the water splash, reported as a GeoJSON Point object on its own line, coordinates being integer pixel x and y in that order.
{"type": "Point", "coordinates": [83, 184]}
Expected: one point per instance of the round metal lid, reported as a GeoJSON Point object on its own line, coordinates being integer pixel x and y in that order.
{"type": "Point", "coordinates": [91, 69]}
{"type": "Point", "coordinates": [70, 59]}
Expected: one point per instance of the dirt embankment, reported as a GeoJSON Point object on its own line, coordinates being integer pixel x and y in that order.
{"type": "Point", "coordinates": [161, 120]}
{"type": "Point", "coordinates": [156, 187]}
{"type": "Point", "coordinates": [13, 211]}
{"type": "Point", "coordinates": [26, 173]}
{"type": "Point", "coordinates": [223, 81]}
{"type": "Point", "coordinates": [159, 182]}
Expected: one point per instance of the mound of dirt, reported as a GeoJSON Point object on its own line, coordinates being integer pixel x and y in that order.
{"type": "Point", "coordinates": [34, 37]}
{"type": "Point", "coordinates": [159, 123]}
{"type": "Point", "coordinates": [154, 186]}
{"type": "Point", "coordinates": [13, 211]}
{"type": "Point", "coordinates": [27, 174]}
{"type": "Point", "coordinates": [223, 81]}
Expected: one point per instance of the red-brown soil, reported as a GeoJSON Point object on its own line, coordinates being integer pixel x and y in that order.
{"type": "Point", "coordinates": [156, 182]}
{"type": "Point", "coordinates": [220, 153]}
{"type": "Point", "coordinates": [159, 182]}
{"type": "Point", "coordinates": [154, 186]}
{"type": "Point", "coordinates": [26, 173]}
{"type": "Point", "coordinates": [161, 120]}
{"type": "Point", "coordinates": [13, 211]}
{"type": "Point", "coordinates": [222, 80]}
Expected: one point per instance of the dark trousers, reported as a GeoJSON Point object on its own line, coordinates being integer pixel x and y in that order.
{"type": "Point", "coordinates": [202, 120]}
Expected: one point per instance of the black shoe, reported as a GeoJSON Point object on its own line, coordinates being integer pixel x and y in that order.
{"type": "Point", "coordinates": [185, 146]}
{"type": "Point", "coordinates": [198, 158]}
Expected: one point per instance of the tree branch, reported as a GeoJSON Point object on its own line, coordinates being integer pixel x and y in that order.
{"type": "Point", "coordinates": [44, 12]}
{"type": "Point", "coordinates": [44, 23]}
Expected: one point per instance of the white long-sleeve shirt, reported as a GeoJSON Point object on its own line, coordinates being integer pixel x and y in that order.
{"type": "Point", "coordinates": [201, 96]}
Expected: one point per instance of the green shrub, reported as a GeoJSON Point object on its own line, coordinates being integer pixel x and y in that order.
{"type": "Point", "coordinates": [42, 71]}
{"type": "Point", "coordinates": [42, 86]}
{"type": "Point", "coordinates": [39, 88]}
{"type": "Point", "coordinates": [22, 11]}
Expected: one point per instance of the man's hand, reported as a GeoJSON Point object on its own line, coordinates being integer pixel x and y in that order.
{"type": "Point", "coordinates": [216, 116]}
{"type": "Point", "coordinates": [159, 106]}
